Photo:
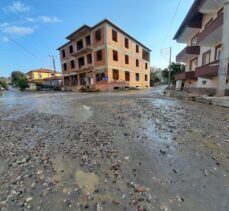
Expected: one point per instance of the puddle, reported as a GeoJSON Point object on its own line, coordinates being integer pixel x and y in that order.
{"type": "Point", "coordinates": [86, 181]}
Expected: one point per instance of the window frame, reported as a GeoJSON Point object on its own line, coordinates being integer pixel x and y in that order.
{"type": "Point", "coordinates": [98, 35]}
{"type": "Point", "coordinates": [115, 55]}
{"type": "Point", "coordinates": [216, 49]}
{"type": "Point", "coordinates": [126, 40]}
{"type": "Point", "coordinates": [127, 59]}
{"type": "Point", "coordinates": [114, 35]}
{"type": "Point", "coordinates": [115, 72]}
{"type": "Point", "coordinates": [137, 76]}
{"type": "Point", "coordinates": [204, 54]}
{"type": "Point", "coordinates": [63, 53]}
{"type": "Point", "coordinates": [137, 63]}
{"type": "Point", "coordinates": [137, 48]}
{"type": "Point", "coordinates": [127, 78]}
{"type": "Point", "coordinates": [98, 53]}
{"type": "Point", "coordinates": [72, 64]}
{"type": "Point", "coordinates": [191, 64]}
{"type": "Point", "coordinates": [65, 66]}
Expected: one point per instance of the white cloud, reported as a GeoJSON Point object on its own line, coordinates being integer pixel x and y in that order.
{"type": "Point", "coordinates": [45, 19]}
{"type": "Point", "coordinates": [18, 6]}
{"type": "Point", "coordinates": [5, 39]}
{"type": "Point", "coordinates": [18, 30]}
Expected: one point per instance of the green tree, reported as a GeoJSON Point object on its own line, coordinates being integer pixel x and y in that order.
{"type": "Point", "coordinates": [3, 83]}
{"type": "Point", "coordinates": [22, 83]}
{"type": "Point", "coordinates": [175, 68]}
{"type": "Point", "coordinates": [154, 78]}
{"type": "Point", "coordinates": [19, 79]}
{"type": "Point", "coordinates": [15, 76]}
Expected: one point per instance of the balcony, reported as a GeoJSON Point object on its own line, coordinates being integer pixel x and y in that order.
{"type": "Point", "coordinates": [188, 53]}
{"type": "Point", "coordinates": [208, 70]}
{"type": "Point", "coordinates": [212, 34]}
{"type": "Point", "coordinates": [185, 76]}
{"type": "Point", "coordinates": [82, 51]}
{"type": "Point", "coordinates": [84, 68]}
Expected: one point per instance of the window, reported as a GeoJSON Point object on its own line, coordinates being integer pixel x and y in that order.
{"type": "Point", "coordinates": [115, 74]}
{"type": "Point", "coordinates": [72, 64]}
{"type": "Point", "coordinates": [206, 57]}
{"type": "Point", "coordinates": [63, 53]}
{"type": "Point", "coordinates": [126, 59]}
{"type": "Point", "coordinates": [137, 48]}
{"type": "Point", "coordinates": [137, 76]}
{"type": "Point", "coordinates": [137, 63]}
{"type": "Point", "coordinates": [146, 77]}
{"type": "Point", "coordinates": [193, 64]}
{"type": "Point", "coordinates": [65, 66]}
{"type": "Point", "coordinates": [127, 76]}
{"type": "Point", "coordinates": [88, 40]}
{"type": "Point", "coordinates": [218, 50]}
{"type": "Point", "coordinates": [70, 49]}
{"type": "Point", "coordinates": [100, 76]}
{"type": "Point", "coordinates": [145, 55]}
{"type": "Point", "coordinates": [79, 45]}
{"type": "Point", "coordinates": [99, 55]}
{"type": "Point", "coordinates": [126, 43]}
{"type": "Point", "coordinates": [81, 62]}
{"type": "Point", "coordinates": [204, 82]}
{"type": "Point", "coordinates": [146, 66]}
{"type": "Point", "coordinates": [115, 55]}
{"type": "Point", "coordinates": [98, 35]}
{"type": "Point", "coordinates": [89, 59]}
{"type": "Point", "coordinates": [114, 35]}
{"type": "Point", "coordinates": [194, 40]}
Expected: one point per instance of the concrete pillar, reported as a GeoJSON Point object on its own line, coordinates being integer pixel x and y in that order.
{"type": "Point", "coordinates": [178, 84]}
{"type": "Point", "coordinates": [223, 65]}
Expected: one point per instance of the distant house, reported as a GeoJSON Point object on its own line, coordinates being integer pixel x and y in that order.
{"type": "Point", "coordinates": [44, 79]}
{"type": "Point", "coordinates": [40, 74]}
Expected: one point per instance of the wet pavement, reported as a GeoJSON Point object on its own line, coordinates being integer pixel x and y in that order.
{"type": "Point", "coordinates": [136, 150]}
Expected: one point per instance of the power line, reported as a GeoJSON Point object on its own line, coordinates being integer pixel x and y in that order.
{"type": "Point", "coordinates": [24, 48]}
{"type": "Point", "coordinates": [172, 20]}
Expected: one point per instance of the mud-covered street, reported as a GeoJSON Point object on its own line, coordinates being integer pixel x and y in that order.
{"type": "Point", "coordinates": [135, 150]}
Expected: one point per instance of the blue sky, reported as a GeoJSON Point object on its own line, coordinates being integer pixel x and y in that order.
{"type": "Point", "coordinates": [30, 30]}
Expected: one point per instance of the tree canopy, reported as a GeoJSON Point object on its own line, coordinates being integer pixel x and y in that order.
{"type": "Point", "coordinates": [3, 83]}
{"type": "Point", "coordinates": [175, 68]}
{"type": "Point", "coordinates": [19, 79]}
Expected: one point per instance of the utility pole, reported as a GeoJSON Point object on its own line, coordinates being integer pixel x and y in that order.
{"type": "Point", "coordinates": [53, 61]}
{"type": "Point", "coordinates": [224, 60]}
{"type": "Point", "coordinates": [170, 62]}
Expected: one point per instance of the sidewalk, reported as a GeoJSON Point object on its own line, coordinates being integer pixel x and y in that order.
{"type": "Point", "coordinates": [218, 101]}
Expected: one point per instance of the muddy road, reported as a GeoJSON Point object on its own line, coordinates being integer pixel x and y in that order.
{"type": "Point", "coordinates": [134, 150]}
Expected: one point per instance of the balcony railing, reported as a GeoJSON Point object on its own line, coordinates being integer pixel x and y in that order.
{"type": "Point", "coordinates": [84, 68]}
{"type": "Point", "coordinates": [209, 70]}
{"type": "Point", "coordinates": [82, 51]}
{"type": "Point", "coordinates": [186, 76]}
{"type": "Point", "coordinates": [187, 53]}
{"type": "Point", "coordinates": [210, 29]}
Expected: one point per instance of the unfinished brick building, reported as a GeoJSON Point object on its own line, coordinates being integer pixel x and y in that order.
{"type": "Point", "coordinates": [104, 57]}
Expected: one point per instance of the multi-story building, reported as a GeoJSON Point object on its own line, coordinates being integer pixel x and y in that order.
{"type": "Point", "coordinates": [202, 31]}
{"type": "Point", "coordinates": [104, 57]}
{"type": "Point", "coordinates": [40, 74]}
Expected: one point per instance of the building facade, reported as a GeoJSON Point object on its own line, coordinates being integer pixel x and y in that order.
{"type": "Point", "coordinates": [104, 57]}
{"type": "Point", "coordinates": [202, 31]}
{"type": "Point", "coordinates": [40, 74]}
